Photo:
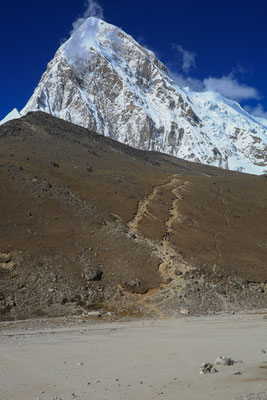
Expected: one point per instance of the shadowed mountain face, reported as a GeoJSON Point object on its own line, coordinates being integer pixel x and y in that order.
{"type": "Point", "coordinates": [87, 222]}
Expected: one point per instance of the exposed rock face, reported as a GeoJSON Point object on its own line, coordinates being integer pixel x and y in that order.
{"type": "Point", "coordinates": [102, 79]}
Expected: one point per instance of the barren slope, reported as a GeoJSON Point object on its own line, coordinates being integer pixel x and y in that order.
{"type": "Point", "coordinates": [76, 206]}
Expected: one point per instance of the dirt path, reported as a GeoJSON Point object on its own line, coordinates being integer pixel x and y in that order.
{"type": "Point", "coordinates": [227, 220]}
{"type": "Point", "coordinates": [161, 249]}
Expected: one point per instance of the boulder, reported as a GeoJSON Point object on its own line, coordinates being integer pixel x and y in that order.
{"type": "Point", "coordinates": [93, 273]}
{"type": "Point", "coordinates": [222, 360]}
{"type": "Point", "coordinates": [207, 368]}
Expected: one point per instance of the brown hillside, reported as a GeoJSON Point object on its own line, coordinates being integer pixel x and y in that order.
{"type": "Point", "coordinates": [84, 220]}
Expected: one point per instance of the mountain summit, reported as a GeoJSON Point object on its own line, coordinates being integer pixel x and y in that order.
{"type": "Point", "coordinates": [14, 114]}
{"type": "Point", "coordinates": [102, 79]}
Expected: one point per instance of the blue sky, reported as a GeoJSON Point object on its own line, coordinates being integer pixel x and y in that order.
{"type": "Point", "coordinates": [207, 45]}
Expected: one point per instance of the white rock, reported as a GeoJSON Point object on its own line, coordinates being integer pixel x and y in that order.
{"type": "Point", "coordinates": [222, 360]}
{"type": "Point", "coordinates": [94, 314]}
{"type": "Point", "coordinates": [184, 311]}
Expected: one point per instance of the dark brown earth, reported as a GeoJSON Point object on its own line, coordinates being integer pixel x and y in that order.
{"type": "Point", "coordinates": [88, 223]}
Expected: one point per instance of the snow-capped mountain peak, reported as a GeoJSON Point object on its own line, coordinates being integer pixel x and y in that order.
{"type": "Point", "coordinates": [14, 114]}
{"type": "Point", "coordinates": [102, 79]}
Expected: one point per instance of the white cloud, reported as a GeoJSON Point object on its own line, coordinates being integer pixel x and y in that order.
{"type": "Point", "coordinates": [92, 9]}
{"type": "Point", "coordinates": [257, 111]}
{"type": "Point", "coordinates": [187, 81]}
{"type": "Point", "coordinates": [187, 57]}
{"type": "Point", "coordinates": [229, 87]}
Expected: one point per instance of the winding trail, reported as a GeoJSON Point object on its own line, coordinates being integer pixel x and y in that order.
{"type": "Point", "coordinates": [142, 210]}
{"type": "Point", "coordinates": [217, 234]}
{"type": "Point", "coordinates": [170, 261]}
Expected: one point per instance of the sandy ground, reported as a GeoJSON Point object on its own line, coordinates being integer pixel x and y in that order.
{"type": "Point", "coordinates": [137, 360]}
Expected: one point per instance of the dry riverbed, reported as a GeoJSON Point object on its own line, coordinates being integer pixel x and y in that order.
{"type": "Point", "coordinates": [134, 360]}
